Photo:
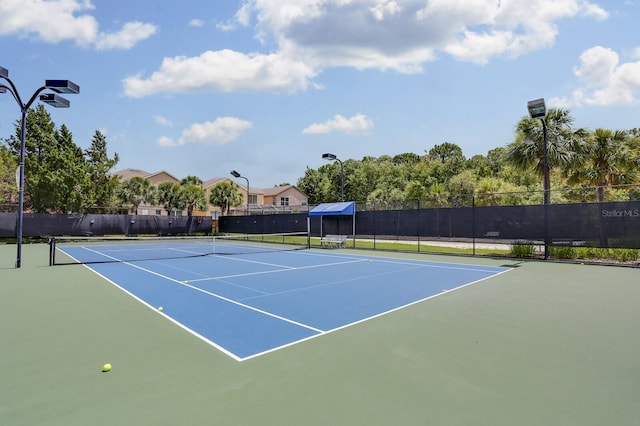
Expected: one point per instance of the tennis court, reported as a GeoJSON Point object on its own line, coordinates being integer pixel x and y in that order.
{"type": "Point", "coordinates": [540, 343]}
{"type": "Point", "coordinates": [252, 297]}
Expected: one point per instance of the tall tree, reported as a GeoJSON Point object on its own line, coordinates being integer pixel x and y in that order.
{"type": "Point", "coordinates": [225, 195]}
{"type": "Point", "coordinates": [450, 156]}
{"type": "Point", "coordinates": [462, 188]}
{"type": "Point", "coordinates": [527, 151]}
{"type": "Point", "coordinates": [496, 160]}
{"type": "Point", "coordinates": [40, 146]}
{"type": "Point", "coordinates": [67, 168]}
{"type": "Point", "coordinates": [8, 187]}
{"type": "Point", "coordinates": [604, 160]}
{"type": "Point", "coordinates": [315, 184]}
{"type": "Point", "coordinates": [136, 191]}
{"type": "Point", "coordinates": [169, 197]}
{"type": "Point", "coordinates": [362, 178]}
{"type": "Point", "coordinates": [193, 197]}
{"type": "Point", "coordinates": [191, 180]}
{"type": "Point", "coordinates": [103, 183]}
{"type": "Point", "coordinates": [415, 191]}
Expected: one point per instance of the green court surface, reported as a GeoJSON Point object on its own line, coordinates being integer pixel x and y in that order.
{"type": "Point", "coordinates": [543, 344]}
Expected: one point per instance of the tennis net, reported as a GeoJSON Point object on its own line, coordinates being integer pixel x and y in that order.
{"type": "Point", "coordinates": [88, 250]}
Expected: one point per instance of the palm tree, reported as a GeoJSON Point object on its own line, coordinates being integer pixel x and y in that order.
{"type": "Point", "coordinates": [136, 191]}
{"type": "Point", "coordinates": [563, 143]}
{"type": "Point", "coordinates": [225, 195]}
{"type": "Point", "coordinates": [169, 197]}
{"type": "Point", "coordinates": [191, 180]}
{"type": "Point", "coordinates": [193, 197]}
{"type": "Point", "coordinates": [605, 159]}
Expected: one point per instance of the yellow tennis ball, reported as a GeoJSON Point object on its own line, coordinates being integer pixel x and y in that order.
{"type": "Point", "coordinates": [106, 367]}
{"type": "Point", "coordinates": [161, 309]}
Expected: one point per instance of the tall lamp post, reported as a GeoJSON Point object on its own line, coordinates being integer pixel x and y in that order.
{"type": "Point", "coordinates": [333, 157]}
{"type": "Point", "coordinates": [238, 175]}
{"type": "Point", "coordinates": [53, 99]}
{"type": "Point", "coordinates": [538, 109]}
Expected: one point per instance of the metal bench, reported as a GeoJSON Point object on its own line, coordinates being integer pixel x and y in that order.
{"type": "Point", "coordinates": [331, 240]}
{"type": "Point", "coordinates": [492, 234]}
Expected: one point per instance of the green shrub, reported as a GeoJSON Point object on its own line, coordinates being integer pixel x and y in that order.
{"type": "Point", "coordinates": [562, 252]}
{"type": "Point", "coordinates": [523, 249]}
{"type": "Point", "coordinates": [618, 255]}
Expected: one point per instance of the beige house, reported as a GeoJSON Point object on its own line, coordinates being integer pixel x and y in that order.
{"type": "Point", "coordinates": [276, 199]}
{"type": "Point", "coordinates": [154, 179]}
{"type": "Point", "coordinates": [285, 196]}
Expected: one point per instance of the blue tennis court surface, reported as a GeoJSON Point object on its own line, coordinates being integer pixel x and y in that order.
{"type": "Point", "coordinates": [250, 304]}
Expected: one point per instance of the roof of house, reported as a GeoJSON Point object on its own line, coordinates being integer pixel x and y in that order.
{"type": "Point", "coordinates": [127, 174]}
{"type": "Point", "coordinates": [213, 182]}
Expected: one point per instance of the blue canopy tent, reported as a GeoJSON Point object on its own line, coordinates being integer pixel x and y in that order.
{"type": "Point", "coordinates": [345, 208]}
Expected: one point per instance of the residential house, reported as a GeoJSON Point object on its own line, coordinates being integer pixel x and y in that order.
{"type": "Point", "coordinates": [154, 179]}
{"type": "Point", "coordinates": [277, 199]}
{"type": "Point", "coordinates": [286, 196]}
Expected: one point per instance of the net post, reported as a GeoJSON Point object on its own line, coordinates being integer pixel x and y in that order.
{"type": "Point", "coordinates": [52, 251]}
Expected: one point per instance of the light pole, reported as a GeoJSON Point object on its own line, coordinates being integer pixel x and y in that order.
{"type": "Point", "coordinates": [238, 175]}
{"type": "Point", "coordinates": [538, 109]}
{"type": "Point", "coordinates": [53, 99]}
{"type": "Point", "coordinates": [333, 157]}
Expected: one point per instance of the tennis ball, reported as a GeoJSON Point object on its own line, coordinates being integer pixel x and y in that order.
{"type": "Point", "coordinates": [106, 368]}
{"type": "Point", "coordinates": [160, 308]}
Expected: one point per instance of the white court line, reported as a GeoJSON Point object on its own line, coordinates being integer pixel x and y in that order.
{"type": "Point", "coordinates": [420, 262]}
{"type": "Point", "coordinates": [285, 269]}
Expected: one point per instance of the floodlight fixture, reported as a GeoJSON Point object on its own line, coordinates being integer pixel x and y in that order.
{"type": "Point", "coordinates": [329, 157]}
{"type": "Point", "coordinates": [537, 108]}
{"type": "Point", "coordinates": [238, 175]}
{"type": "Point", "coordinates": [55, 100]}
{"type": "Point", "coordinates": [62, 86]}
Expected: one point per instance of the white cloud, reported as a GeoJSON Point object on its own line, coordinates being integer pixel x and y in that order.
{"type": "Point", "coordinates": [130, 34]}
{"type": "Point", "coordinates": [241, 18]}
{"type": "Point", "coordinates": [357, 123]}
{"type": "Point", "coordinates": [381, 34]}
{"type": "Point", "coordinates": [590, 9]}
{"type": "Point", "coordinates": [166, 141]}
{"type": "Point", "coordinates": [218, 132]}
{"type": "Point", "coordinates": [54, 21]}
{"type": "Point", "coordinates": [380, 10]}
{"type": "Point", "coordinates": [162, 121]}
{"type": "Point", "coordinates": [196, 23]}
{"type": "Point", "coordinates": [313, 35]}
{"type": "Point", "coordinates": [223, 71]}
{"type": "Point", "coordinates": [605, 81]}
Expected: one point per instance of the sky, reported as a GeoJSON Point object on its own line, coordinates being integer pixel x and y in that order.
{"type": "Point", "coordinates": [265, 87]}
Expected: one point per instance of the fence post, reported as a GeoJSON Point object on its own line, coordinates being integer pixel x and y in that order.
{"type": "Point", "coordinates": [473, 223]}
